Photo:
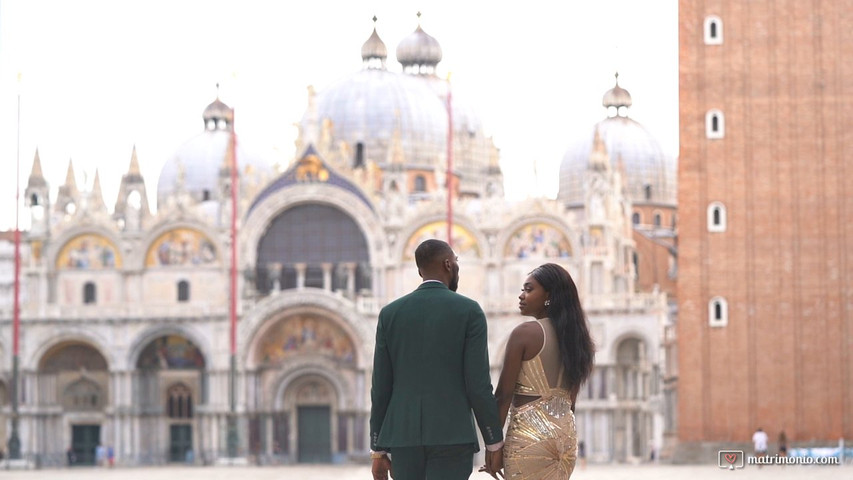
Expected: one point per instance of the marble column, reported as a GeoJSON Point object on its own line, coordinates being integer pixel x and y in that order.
{"type": "Point", "coordinates": [300, 275]}
{"type": "Point", "coordinates": [350, 266]}
{"type": "Point", "coordinates": [274, 273]}
{"type": "Point", "coordinates": [327, 276]}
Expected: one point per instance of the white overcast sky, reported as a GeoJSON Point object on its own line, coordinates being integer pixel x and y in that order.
{"type": "Point", "coordinates": [98, 77]}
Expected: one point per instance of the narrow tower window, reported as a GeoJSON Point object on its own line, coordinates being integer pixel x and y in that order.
{"type": "Point", "coordinates": [358, 161]}
{"type": "Point", "coordinates": [715, 124]}
{"type": "Point", "coordinates": [420, 184]}
{"type": "Point", "coordinates": [658, 219]}
{"type": "Point", "coordinates": [713, 30]}
{"type": "Point", "coordinates": [718, 312]}
{"type": "Point", "coordinates": [90, 294]}
{"type": "Point", "coordinates": [635, 218]}
{"type": "Point", "coordinates": [183, 291]}
{"type": "Point", "coordinates": [716, 217]}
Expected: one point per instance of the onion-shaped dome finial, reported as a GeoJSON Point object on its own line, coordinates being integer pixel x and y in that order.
{"type": "Point", "coordinates": [616, 96]}
{"type": "Point", "coordinates": [218, 115]}
{"type": "Point", "coordinates": [419, 53]}
{"type": "Point", "coordinates": [374, 52]}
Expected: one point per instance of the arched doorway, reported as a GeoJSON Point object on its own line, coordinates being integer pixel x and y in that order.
{"type": "Point", "coordinates": [73, 376]}
{"type": "Point", "coordinates": [308, 359]}
{"type": "Point", "coordinates": [170, 383]}
{"type": "Point", "coordinates": [313, 399]}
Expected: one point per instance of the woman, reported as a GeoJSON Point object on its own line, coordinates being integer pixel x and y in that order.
{"type": "Point", "coordinates": [547, 360]}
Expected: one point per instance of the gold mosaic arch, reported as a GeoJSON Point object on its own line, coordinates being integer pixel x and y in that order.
{"type": "Point", "coordinates": [304, 334]}
{"type": "Point", "coordinates": [170, 352]}
{"type": "Point", "coordinates": [181, 247]}
{"type": "Point", "coordinates": [88, 251]}
{"type": "Point", "coordinates": [464, 243]}
{"type": "Point", "coordinates": [537, 240]}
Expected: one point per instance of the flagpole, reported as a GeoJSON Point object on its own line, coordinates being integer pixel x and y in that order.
{"type": "Point", "coordinates": [14, 440]}
{"type": "Point", "coordinates": [449, 179]}
{"type": "Point", "coordinates": [232, 438]}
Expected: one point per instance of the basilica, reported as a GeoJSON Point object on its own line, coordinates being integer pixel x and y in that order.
{"type": "Point", "coordinates": [126, 336]}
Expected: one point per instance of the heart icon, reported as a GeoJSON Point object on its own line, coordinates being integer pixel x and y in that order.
{"type": "Point", "coordinates": [731, 457]}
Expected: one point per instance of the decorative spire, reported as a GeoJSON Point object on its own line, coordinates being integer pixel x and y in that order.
{"type": "Point", "coordinates": [395, 154]}
{"type": "Point", "coordinates": [599, 159]}
{"type": "Point", "coordinates": [70, 181]}
{"type": "Point", "coordinates": [134, 164]}
{"type": "Point", "coordinates": [36, 175]}
{"type": "Point", "coordinates": [131, 194]}
{"type": "Point", "coordinates": [96, 197]}
{"type": "Point", "coordinates": [68, 195]}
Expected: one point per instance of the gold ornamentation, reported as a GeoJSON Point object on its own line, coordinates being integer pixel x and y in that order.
{"type": "Point", "coordinates": [538, 240]}
{"type": "Point", "coordinates": [88, 252]}
{"type": "Point", "coordinates": [181, 247]}
{"type": "Point", "coordinates": [311, 169]}
{"type": "Point", "coordinates": [308, 334]}
{"type": "Point", "coordinates": [464, 242]}
{"type": "Point", "coordinates": [541, 441]}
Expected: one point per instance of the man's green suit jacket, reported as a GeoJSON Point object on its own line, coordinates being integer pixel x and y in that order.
{"type": "Point", "coordinates": [430, 370]}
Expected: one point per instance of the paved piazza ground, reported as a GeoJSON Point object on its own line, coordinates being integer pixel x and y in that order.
{"type": "Point", "coordinates": [597, 472]}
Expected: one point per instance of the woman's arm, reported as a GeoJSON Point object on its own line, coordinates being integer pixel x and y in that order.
{"type": "Point", "coordinates": [520, 346]}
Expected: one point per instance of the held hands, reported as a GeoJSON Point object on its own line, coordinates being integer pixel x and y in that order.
{"type": "Point", "coordinates": [494, 463]}
{"type": "Point", "coordinates": [381, 468]}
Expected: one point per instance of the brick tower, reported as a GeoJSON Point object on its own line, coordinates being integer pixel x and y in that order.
{"type": "Point", "coordinates": [765, 282]}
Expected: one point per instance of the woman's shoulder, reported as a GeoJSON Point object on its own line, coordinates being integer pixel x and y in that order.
{"type": "Point", "coordinates": [528, 327]}
{"type": "Point", "coordinates": [529, 334]}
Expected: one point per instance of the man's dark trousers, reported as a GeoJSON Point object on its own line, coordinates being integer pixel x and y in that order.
{"type": "Point", "coordinates": [440, 462]}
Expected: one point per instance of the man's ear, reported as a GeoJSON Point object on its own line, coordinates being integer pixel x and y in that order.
{"type": "Point", "coordinates": [420, 274]}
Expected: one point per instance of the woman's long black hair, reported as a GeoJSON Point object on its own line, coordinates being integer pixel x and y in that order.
{"type": "Point", "coordinates": [576, 348]}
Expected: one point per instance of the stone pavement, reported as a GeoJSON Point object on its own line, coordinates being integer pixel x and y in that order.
{"type": "Point", "coordinates": [361, 472]}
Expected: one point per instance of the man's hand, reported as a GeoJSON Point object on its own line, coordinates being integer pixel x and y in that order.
{"type": "Point", "coordinates": [381, 468]}
{"type": "Point", "coordinates": [495, 463]}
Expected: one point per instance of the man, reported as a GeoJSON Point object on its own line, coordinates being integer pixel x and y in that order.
{"type": "Point", "coordinates": [430, 369]}
{"type": "Point", "coordinates": [759, 441]}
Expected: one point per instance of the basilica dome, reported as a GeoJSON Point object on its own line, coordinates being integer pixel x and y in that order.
{"type": "Point", "coordinates": [375, 108]}
{"type": "Point", "coordinates": [196, 166]}
{"type": "Point", "coordinates": [388, 115]}
{"type": "Point", "coordinates": [372, 106]}
{"type": "Point", "coordinates": [650, 175]}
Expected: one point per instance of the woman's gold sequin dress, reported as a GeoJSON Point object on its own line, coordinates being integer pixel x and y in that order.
{"type": "Point", "coordinates": [541, 441]}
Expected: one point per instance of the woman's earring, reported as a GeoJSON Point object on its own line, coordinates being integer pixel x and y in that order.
{"type": "Point", "coordinates": [547, 302]}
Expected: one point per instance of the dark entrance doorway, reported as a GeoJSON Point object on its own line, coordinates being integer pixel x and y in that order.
{"type": "Point", "coordinates": [315, 434]}
{"type": "Point", "coordinates": [180, 442]}
{"type": "Point", "coordinates": [84, 439]}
